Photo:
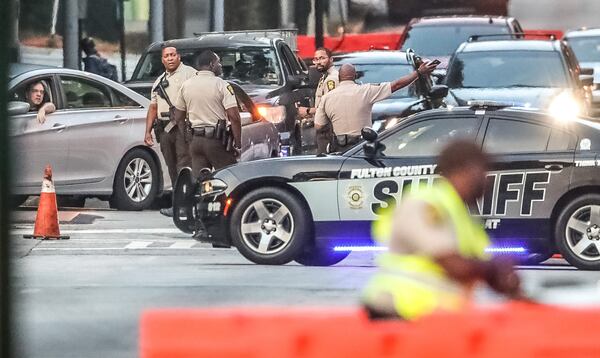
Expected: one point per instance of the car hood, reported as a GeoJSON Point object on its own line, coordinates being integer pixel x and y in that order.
{"type": "Point", "coordinates": [392, 107]}
{"type": "Point", "coordinates": [538, 97]}
{"type": "Point", "coordinates": [595, 66]}
{"type": "Point", "coordinates": [286, 169]}
{"type": "Point", "coordinates": [261, 94]}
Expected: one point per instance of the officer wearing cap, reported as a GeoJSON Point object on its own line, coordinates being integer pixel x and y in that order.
{"type": "Point", "coordinates": [348, 108]}
{"type": "Point", "coordinates": [164, 92]}
{"type": "Point", "coordinates": [329, 80]}
{"type": "Point", "coordinates": [210, 105]}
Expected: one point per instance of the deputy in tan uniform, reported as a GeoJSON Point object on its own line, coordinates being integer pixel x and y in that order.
{"type": "Point", "coordinates": [329, 80]}
{"type": "Point", "coordinates": [172, 142]}
{"type": "Point", "coordinates": [209, 103]}
{"type": "Point", "coordinates": [348, 108]}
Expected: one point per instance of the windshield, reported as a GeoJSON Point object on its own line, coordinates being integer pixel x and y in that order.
{"type": "Point", "coordinates": [444, 40]}
{"type": "Point", "coordinates": [249, 65]}
{"type": "Point", "coordinates": [378, 73]}
{"type": "Point", "coordinates": [495, 69]}
{"type": "Point", "coordinates": [587, 49]}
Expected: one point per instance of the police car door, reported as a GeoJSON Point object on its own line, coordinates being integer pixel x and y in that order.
{"type": "Point", "coordinates": [368, 185]}
{"type": "Point", "coordinates": [531, 169]}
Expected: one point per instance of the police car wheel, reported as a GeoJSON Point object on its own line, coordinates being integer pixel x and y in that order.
{"type": "Point", "coordinates": [320, 256]}
{"type": "Point", "coordinates": [577, 232]}
{"type": "Point", "coordinates": [136, 181]}
{"type": "Point", "coordinates": [270, 226]}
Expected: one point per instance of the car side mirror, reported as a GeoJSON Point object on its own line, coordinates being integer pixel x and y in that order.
{"type": "Point", "coordinates": [17, 107]}
{"type": "Point", "coordinates": [297, 82]}
{"type": "Point", "coordinates": [369, 134]}
{"type": "Point", "coordinates": [438, 91]}
{"type": "Point", "coordinates": [586, 80]}
{"type": "Point", "coordinates": [586, 71]}
{"type": "Point", "coordinates": [245, 118]}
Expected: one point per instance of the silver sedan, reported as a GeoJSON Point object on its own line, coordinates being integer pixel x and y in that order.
{"type": "Point", "coordinates": [94, 140]}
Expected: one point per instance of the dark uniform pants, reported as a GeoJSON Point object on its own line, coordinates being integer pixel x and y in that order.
{"type": "Point", "coordinates": [209, 153]}
{"type": "Point", "coordinates": [175, 151]}
{"type": "Point", "coordinates": [323, 137]}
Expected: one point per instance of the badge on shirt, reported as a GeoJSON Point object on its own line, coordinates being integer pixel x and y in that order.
{"type": "Point", "coordinates": [330, 84]}
{"type": "Point", "coordinates": [230, 89]}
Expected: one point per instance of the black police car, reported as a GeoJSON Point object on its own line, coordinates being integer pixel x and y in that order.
{"type": "Point", "coordinates": [543, 193]}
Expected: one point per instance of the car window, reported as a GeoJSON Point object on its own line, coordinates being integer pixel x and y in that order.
{"type": "Point", "coordinates": [291, 59]}
{"type": "Point", "coordinates": [19, 92]}
{"type": "Point", "coordinates": [382, 72]}
{"type": "Point", "coordinates": [83, 93]}
{"type": "Point", "coordinates": [508, 136]}
{"type": "Point", "coordinates": [122, 100]}
{"type": "Point", "coordinates": [501, 69]}
{"type": "Point", "coordinates": [587, 49]}
{"type": "Point", "coordinates": [245, 65]}
{"type": "Point", "coordinates": [561, 141]}
{"type": "Point", "coordinates": [426, 138]}
{"type": "Point", "coordinates": [443, 40]}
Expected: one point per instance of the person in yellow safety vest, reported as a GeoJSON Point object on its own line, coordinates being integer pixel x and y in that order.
{"type": "Point", "coordinates": [436, 249]}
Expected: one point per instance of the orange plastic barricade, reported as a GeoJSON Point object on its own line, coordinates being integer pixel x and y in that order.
{"type": "Point", "coordinates": [514, 330]}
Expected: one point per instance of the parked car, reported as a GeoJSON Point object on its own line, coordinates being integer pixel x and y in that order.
{"type": "Point", "coordinates": [541, 198]}
{"type": "Point", "coordinates": [384, 66]}
{"type": "Point", "coordinates": [541, 74]}
{"type": "Point", "coordinates": [585, 42]}
{"type": "Point", "coordinates": [263, 63]}
{"type": "Point", "coordinates": [400, 11]}
{"type": "Point", "coordinates": [94, 140]}
{"type": "Point", "coordinates": [438, 37]}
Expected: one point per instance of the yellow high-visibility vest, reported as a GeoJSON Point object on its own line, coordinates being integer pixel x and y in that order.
{"type": "Point", "coordinates": [417, 284]}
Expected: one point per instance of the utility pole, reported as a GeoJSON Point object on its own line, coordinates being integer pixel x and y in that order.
{"type": "Point", "coordinates": [123, 48]}
{"type": "Point", "coordinates": [156, 20]}
{"type": "Point", "coordinates": [319, 12]}
{"type": "Point", "coordinates": [218, 12]}
{"type": "Point", "coordinates": [71, 40]}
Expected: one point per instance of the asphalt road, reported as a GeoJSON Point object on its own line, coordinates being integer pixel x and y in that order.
{"type": "Point", "coordinates": [83, 297]}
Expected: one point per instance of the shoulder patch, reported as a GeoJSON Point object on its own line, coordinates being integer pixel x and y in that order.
{"type": "Point", "coordinates": [230, 89]}
{"type": "Point", "coordinates": [330, 84]}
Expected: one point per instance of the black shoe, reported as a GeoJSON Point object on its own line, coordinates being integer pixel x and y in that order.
{"type": "Point", "coordinates": [167, 212]}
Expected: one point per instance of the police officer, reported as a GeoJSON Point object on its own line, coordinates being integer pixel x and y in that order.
{"type": "Point", "coordinates": [436, 249]}
{"type": "Point", "coordinates": [164, 92]}
{"type": "Point", "coordinates": [209, 103]}
{"type": "Point", "coordinates": [328, 81]}
{"type": "Point", "coordinates": [348, 108]}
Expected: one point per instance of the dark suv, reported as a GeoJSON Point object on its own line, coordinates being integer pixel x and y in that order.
{"type": "Point", "coordinates": [438, 37]}
{"type": "Point", "coordinates": [541, 74]}
{"type": "Point", "coordinates": [262, 62]}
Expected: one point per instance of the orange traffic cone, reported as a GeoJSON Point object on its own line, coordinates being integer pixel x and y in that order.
{"type": "Point", "coordinates": [46, 220]}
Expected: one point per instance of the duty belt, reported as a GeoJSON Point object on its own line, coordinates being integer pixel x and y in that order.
{"type": "Point", "coordinates": [346, 139]}
{"type": "Point", "coordinates": [206, 131]}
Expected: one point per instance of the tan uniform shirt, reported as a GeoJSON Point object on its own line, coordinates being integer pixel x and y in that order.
{"type": "Point", "coordinates": [349, 106]}
{"type": "Point", "coordinates": [176, 79]}
{"type": "Point", "coordinates": [419, 229]}
{"type": "Point", "coordinates": [328, 82]}
{"type": "Point", "coordinates": [205, 97]}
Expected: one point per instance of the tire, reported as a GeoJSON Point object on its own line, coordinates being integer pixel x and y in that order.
{"type": "Point", "coordinates": [577, 232]}
{"type": "Point", "coordinates": [256, 209]}
{"type": "Point", "coordinates": [136, 166]}
{"type": "Point", "coordinates": [320, 256]}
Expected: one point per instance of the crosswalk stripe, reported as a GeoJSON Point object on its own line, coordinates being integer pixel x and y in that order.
{"type": "Point", "coordinates": [138, 245]}
{"type": "Point", "coordinates": [183, 245]}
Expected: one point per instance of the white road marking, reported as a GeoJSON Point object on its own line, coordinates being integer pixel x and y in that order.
{"type": "Point", "coordinates": [138, 245]}
{"type": "Point", "coordinates": [108, 231]}
{"type": "Point", "coordinates": [545, 267]}
{"type": "Point", "coordinates": [183, 244]}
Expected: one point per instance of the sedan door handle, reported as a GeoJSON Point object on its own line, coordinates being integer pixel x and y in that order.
{"type": "Point", "coordinates": [553, 167]}
{"type": "Point", "coordinates": [58, 127]}
{"type": "Point", "coordinates": [120, 119]}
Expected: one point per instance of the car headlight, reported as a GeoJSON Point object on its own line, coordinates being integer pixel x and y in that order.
{"type": "Point", "coordinates": [273, 114]}
{"type": "Point", "coordinates": [564, 107]}
{"type": "Point", "coordinates": [213, 186]}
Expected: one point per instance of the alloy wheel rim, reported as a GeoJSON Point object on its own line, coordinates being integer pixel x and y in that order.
{"type": "Point", "coordinates": [583, 233]}
{"type": "Point", "coordinates": [267, 226]}
{"type": "Point", "coordinates": [138, 180]}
